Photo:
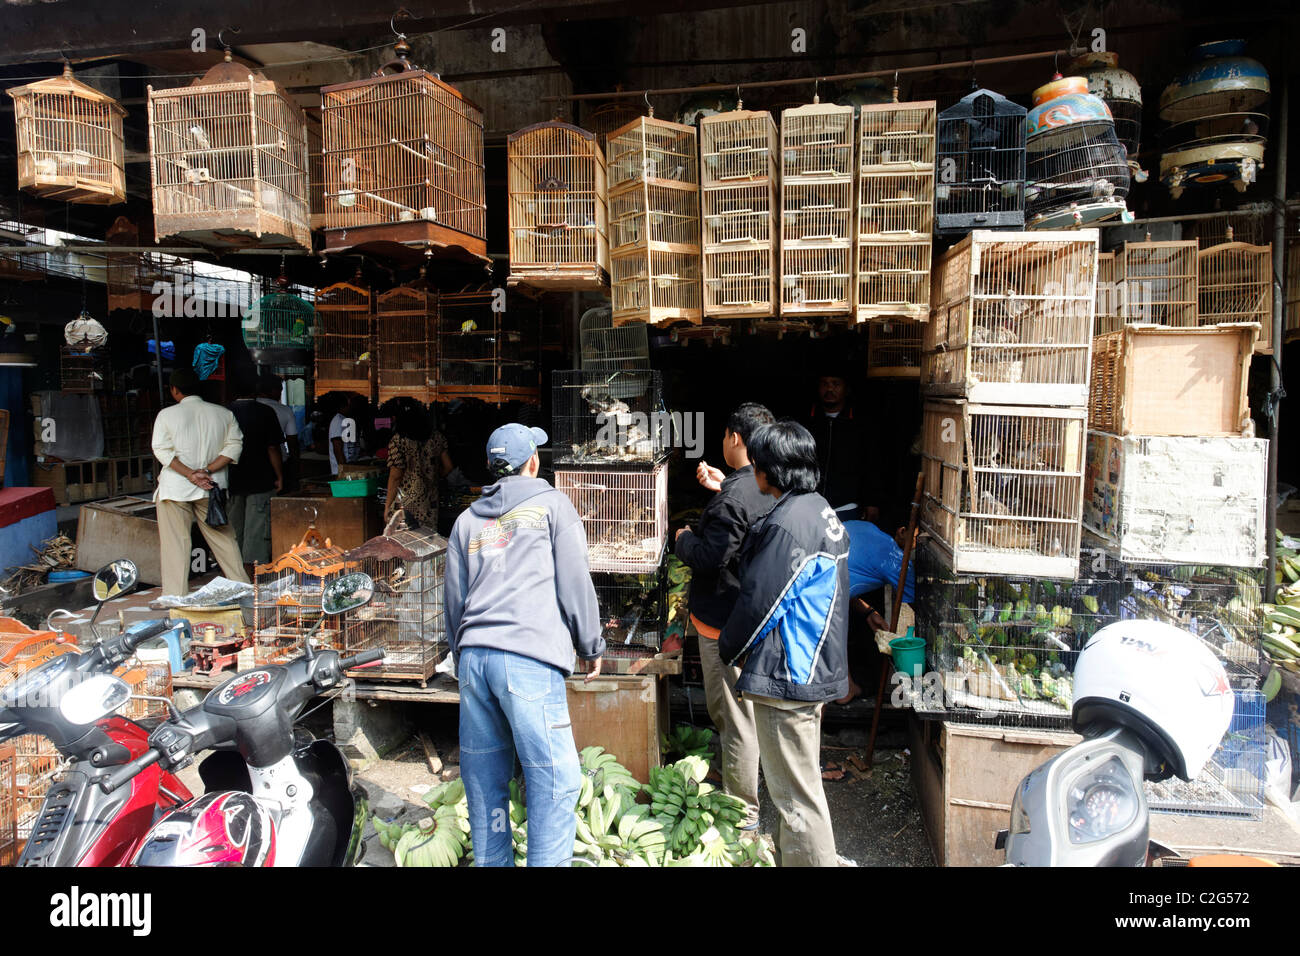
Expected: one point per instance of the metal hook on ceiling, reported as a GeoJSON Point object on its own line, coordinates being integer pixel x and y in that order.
{"type": "Point", "coordinates": [895, 91]}
{"type": "Point", "coordinates": [221, 36]}
{"type": "Point", "coordinates": [648, 105]}
{"type": "Point", "coordinates": [816, 84]}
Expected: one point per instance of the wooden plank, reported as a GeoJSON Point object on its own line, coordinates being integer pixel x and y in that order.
{"type": "Point", "coordinates": [347, 522]}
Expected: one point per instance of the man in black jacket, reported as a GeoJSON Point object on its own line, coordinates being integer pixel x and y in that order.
{"type": "Point", "coordinates": [789, 626]}
{"type": "Point", "coordinates": [841, 448]}
{"type": "Point", "coordinates": [709, 552]}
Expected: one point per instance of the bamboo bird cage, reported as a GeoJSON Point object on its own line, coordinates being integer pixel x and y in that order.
{"type": "Point", "coordinates": [228, 156]}
{"type": "Point", "coordinates": [559, 223]}
{"type": "Point", "coordinates": [1291, 307]}
{"type": "Point", "coordinates": [69, 141]}
{"type": "Point", "coordinates": [488, 347]}
{"type": "Point", "coordinates": [894, 349]}
{"type": "Point", "coordinates": [403, 163]}
{"type": "Point", "coordinates": [345, 329]}
{"type": "Point", "coordinates": [1159, 283]}
{"type": "Point", "coordinates": [287, 595]}
{"type": "Point", "coordinates": [608, 117]}
{"type": "Point", "coordinates": [1108, 295]}
{"type": "Point", "coordinates": [406, 343]}
{"type": "Point", "coordinates": [1235, 284]}
{"type": "Point", "coordinates": [129, 277]}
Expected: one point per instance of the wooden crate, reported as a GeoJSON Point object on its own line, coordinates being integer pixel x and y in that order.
{"type": "Point", "coordinates": [966, 777]}
{"type": "Point", "coordinates": [624, 714]}
{"type": "Point", "coordinates": [1153, 380]}
{"type": "Point", "coordinates": [106, 530]}
{"type": "Point", "coordinates": [132, 475]}
{"type": "Point", "coordinates": [1235, 284]}
{"type": "Point", "coordinates": [73, 481]}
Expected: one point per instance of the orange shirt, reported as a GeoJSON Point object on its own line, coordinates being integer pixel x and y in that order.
{"type": "Point", "coordinates": [704, 630]}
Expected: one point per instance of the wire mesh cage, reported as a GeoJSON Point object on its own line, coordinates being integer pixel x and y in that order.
{"type": "Point", "coordinates": [1013, 318]}
{"type": "Point", "coordinates": [1004, 486]}
{"type": "Point", "coordinates": [633, 610]}
{"type": "Point", "coordinates": [624, 513]}
{"type": "Point", "coordinates": [486, 353]}
{"type": "Point", "coordinates": [83, 369]}
{"type": "Point", "coordinates": [69, 141]}
{"type": "Point", "coordinates": [287, 594]}
{"type": "Point", "coordinates": [403, 156]}
{"type": "Point", "coordinates": [894, 349]}
{"type": "Point", "coordinates": [1159, 282]}
{"type": "Point", "coordinates": [279, 319]}
{"type": "Point", "coordinates": [611, 348]}
{"type": "Point", "coordinates": [1234, 283]}
{"type": "Point", "coordinates": [559, 222]}
{"type": "Point", "coordinates": [345, 328]}
{"type": "Point", "coordinates": [405, 616]}
{"type": "Point", "coordinates": [1122, 94]}
{"type": "Point", "coordinates": [8, 805]}
{"type": "Point", "coordinates": [406, 343]}
{"type": "Point", "coordinates": [981, 164]}
{"type": "Point", "coordinates": [603, 417]}
{"type": "Point", "coordinates": [229, 161]}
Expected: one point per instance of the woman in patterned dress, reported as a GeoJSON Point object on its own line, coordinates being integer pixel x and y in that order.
{"type": "Point", "coordinates": [417, 458]}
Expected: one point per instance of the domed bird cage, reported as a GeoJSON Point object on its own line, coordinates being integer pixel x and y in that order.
{"type": "Point", "coordinates": [610, 348]}
{"type": "Point", "coordinates": [609, 116]}
{"type": "Point", "coordinates": [1077, 170]}
{"type": "Point", "coordinates": [228, 154]}
{"type": "Point", "coordinates": [1235, 284]}
{"type": "Point", "coordinates": [1217, 126]}
{"type": "Point", "coordinates": [700, 106]}
{"type": "Point", "coordinates": [406, 342]}
{"type": "Point", "coordinates": [69, 141]}
{"type": "Point", "coordinates": [559, 222]}
{"type": "Point", "coordinates": [1122, 94]}
{"type": "Point", "coordinates": [287, 595]}
{"type": "Point", "coordinates": [344, 336]}
{"type": "Point", "coordinates": [403, 163]}
{"type": "Point", "coordinates": [279, 320]}
{"type": "Point", "coordinates": [980, 180]}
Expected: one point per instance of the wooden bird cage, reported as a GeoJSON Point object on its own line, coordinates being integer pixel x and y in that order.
{"type": "Point", "coordinates": [403, 156]}
{"type": "Point", "coordinates": [129, 277]}
{"type": "Point", "coordinates": [287, 595]}
{"type": "Point", "coordinates": [559, 222]}
{"type": "Point", "coordinates": [1235, 284]}
{"type": "Point", "coordinates": [610, 116]}
{"type": "Point", "coordinates": [624, 514]}
{"type": "Point", "coordinates": [894, 349]}
{"type": "Point", "coordinates": [315, 176]}
{"type": "Point", "coordinates": [15, 267]}
{"type": "Point", "coordinates": [738, 152]}
{"type": "Point", "coordinates": [83, 369]}
{"type": "Point", "coordinates": [1107, 310]}
{"type": "Point", "coordinates": [1159, 283]}
{"type": "Point", "coordinates": [406, 343]}
{"type": "Point", "coordinates": [344, 336]}
{"type": "Point", "coordinates": [491, 355]}
{"type": "Point", "coordinates": [654, 223]}
{"type": "Point", "coordinates": [8, 805]}
{"type": "Point", "coordinates": [229, 161]}
{"type": "Point", "coordinates": [981, 164]}
{"type": "Point", "coordinates": [279, 320]}
{"type": "Point", "coordinates": [895, 211]}
{"type": "Point", "coordinates": [69, 141]}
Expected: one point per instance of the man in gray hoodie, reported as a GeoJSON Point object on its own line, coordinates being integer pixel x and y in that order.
{"type": "Point", "coordinates": [519, 600]}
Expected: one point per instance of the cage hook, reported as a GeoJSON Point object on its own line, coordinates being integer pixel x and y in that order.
{"type": "Point", "coordinates": [739, 101]}
{"type": "Point", "coordinates": [895, 90]}
{"type": "Point", "coordinates": [816, 84]}
{"type": "Point", "coordinates": [221, 37]}
{"type": "Point", "coordinates": [649, 107]}
{"type": "Point", "coordinates": [392, 22]}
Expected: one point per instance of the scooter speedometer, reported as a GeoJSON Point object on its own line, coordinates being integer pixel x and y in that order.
{"type": "Point", "coordinates": [1102, 801]}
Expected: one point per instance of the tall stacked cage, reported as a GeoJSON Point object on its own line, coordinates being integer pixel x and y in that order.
{"type": "Point", "coordinates": [228, 155]}
{"type": "Point", "coordinates": [344, 335]}
{"type": "Point", "coordinates": [1160, 282]}
{"type": "Point", "coordinates": [654, 223]}
{"type": "Point", "coordinates": [559, 221]}
{"type": "Point", "coordinates": [406, 343]}
{"type": "Point", "coordinates": [403, 158]}
{"type": "Point", "coordinates": [1235, 284]}
{"type": "Point", "coordinates": [1109, 291]}
{"type": "Point", "coordinates": [738, 176]}
{"type": "Point", "coordinates": [287, 595]}
{"type": "Point", "coordinates": [489, 347]}
{"type": "Point", "coordinates": [980, 181]}
{"type": "Point", "coordinates": [70, 144]}
{"type": "Point", "coordinates": [895, 212]}
{"type": "Point", "coordinates": [817, 215]}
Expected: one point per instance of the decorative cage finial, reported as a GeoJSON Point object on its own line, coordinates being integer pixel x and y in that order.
{"type": "Point", "coordinates": [895, 90]}
{"type": "Point", "coordinates": [1229, 233]}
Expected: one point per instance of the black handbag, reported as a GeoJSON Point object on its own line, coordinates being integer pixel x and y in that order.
{"type": "Point", "coordinates": [217, 517]}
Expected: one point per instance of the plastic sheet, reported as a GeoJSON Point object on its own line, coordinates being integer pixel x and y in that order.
{"type": "Point", "coordinates": [217, 592]}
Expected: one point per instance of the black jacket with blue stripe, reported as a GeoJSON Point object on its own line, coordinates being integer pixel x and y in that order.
{"type": "Point", "coordinates": [790, 622]}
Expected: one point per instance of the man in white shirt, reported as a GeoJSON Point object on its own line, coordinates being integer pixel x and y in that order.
{"type": "Point", "coordinates": [194, 441]}
{"type": "Point", "coordinates": [345, 433]}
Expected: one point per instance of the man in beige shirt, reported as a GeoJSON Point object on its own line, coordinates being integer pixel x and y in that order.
{"type": "Point", "coordinates": [194, 441]}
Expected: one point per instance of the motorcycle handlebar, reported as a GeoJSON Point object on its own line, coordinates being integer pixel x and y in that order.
{"type": "Point", "coordinates": [365, 657]}
{"type": "Point", "coordinates": [125, 773]}
{"type": "Point", "coordinates": [137, 635]}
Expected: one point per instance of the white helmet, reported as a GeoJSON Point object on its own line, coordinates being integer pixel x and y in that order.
{"type": "Point", "coordinates": [1160, 682]}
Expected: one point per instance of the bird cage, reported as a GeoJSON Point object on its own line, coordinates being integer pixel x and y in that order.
{"type": "Point", "coordinates": [130, 277]}
{"type": "Point", "coordinates": [83, 369]}
{"type": "Point", "coordinates": [36, 764]}
{"type": "Point", "coordinates": [146, 679]}
{"type": "Point", "coordinates": [488, 354]}
{"type": "Point", "coordinates": [403, 162]}
{"type": "Point", "coordinates": [633, 612]}
{"type": "Point", "coordinates": [345, 328]}
{"type": "Point", "coordinates": [1159, 283]}
{"type": "Point", "coordinates": [69, 141]}
{"type": "Point", "coordinates": [406, 343]}
{"type": "Point", "coordinates": [1077, 170]}
{"type": "Point", "coordinates": [1235, 284]}
{"type": "Point", "coordinates": [738, 198]}
{"type": "Point", "coordinates": [279, 319]}
{"type": "Point", "coordinates": [894, 349]}
{"type": "Point", "coordinates": [1107, 311]}
{"type": "Point", "coordinates": [1004, 486]}
{"type": "Point", "coordinates": [624, 514]}
{"type": "Point", "coordinates": [1013, 318]}
{"type": "Point", "coordinates": [559, 222]}
{"type": "Point", "coordinates": [600, 418]}
{"type": "Point", "coordinates": [228, 155]}
{"type": "Point", "coordinates": [981, 172]}
{"type": "Point", "coordinates": [287, 595]}
{"type": "Point", "coordinates": [404, 618]}
{"type": "Point", "coordinates": [1251, 223]}
{"type": "Point", "coordinates": [611, 348]}
{"type": "Point", "coordinates": [654, 223]}
{"type": "Point", "coordinates": [610, 116]}
{"type": "Point", "coordinates": [1291, 308]}
{"type": "Point", "coordinates": [1122, 94]}
{"type": "Point", "coordinates": [315, 176]}
{"type": "Point", "coordinates": [8, 805]}
{"type": "Point", "coordinates": [16, 267]}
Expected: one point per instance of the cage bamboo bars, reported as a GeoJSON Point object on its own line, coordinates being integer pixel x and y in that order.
{"type": "Point", "coordinates": [1235, 284]}
{"type": "Point", "coordinates": [894, 349]}
{"type": "Point", "coordinates": [129, 277]}
{"type": "Point", "coordinates": [1159, 283]}
{"type": "Point", "coordinates": [624, 514]}
{"type": "Point", "coordinates": [228, 156]}
{"type": "Point", "coordinates": [287, 595]}
{"type": "Point", "coordinates": [406, 344]}
{"type": "Point", "coordinates": [69, 141]}
{"type": "Point", "coordinates": [1107, 317]}
{"type": "Point", "coordinates": [344, 336]}
{"type": "Point", "coordinates": [488, 348]}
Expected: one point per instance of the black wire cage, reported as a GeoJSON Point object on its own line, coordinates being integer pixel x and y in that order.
{"type": "Point", "coordinates": [603, 417]}
{"type": "Point", "coordinates": [980, 182]}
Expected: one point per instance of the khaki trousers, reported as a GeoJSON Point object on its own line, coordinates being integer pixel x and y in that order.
{"type": "Point", "coordinates": [734, 719]}
{"type": "Point", "coordinates": [789, 743]}
{"type": "Point", "coordinates": [174, 520]}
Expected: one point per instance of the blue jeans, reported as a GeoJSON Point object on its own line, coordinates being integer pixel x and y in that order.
{"type": "Point", "coordinates": [513, 704]}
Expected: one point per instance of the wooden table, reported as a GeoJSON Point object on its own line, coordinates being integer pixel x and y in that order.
{"type": "Point", "coordinates": [347, 522]}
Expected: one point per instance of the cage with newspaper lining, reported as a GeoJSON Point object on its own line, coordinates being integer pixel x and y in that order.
{"type": "Point", "coordinates": [601, 418]}
{"type": "Point", "coordinates": [406, 343]}
{"type": "Point", "coordinates": [287, 594]}
{"type": "Point", "coordinates": [980, 179]}
{"type": "Point", "coordinates": [344, 336]}
{"type": "Point", "coordinates": [624, 514]}
{"type": "Point", "coordinates": [487, 352]}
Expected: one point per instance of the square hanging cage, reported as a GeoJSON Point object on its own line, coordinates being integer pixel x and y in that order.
{"type": "Point", "coordinates": [345, 328]}
{"type": "Point", "coordinates": [894, 349]}
{"type": "Point", "coordinates": [83, 369]}
{"type": "Point", "coordinates": [406, 343]}
{"type": "Point", "coordinates": [980, 180]}
{"type": "Point", "coordinates": [279, 320]}
{"type": "Point", "coordinates": [228, 154]}
{"type": "Point", "coordinates": [489, 347]}
{"type": "Point", "coordinates": [405, 616]}
{"type": "Point", "coordinates": [403, 163]}
{"type": "Point", "coordinates": [129, 277]}
{"type": "Point", "coordinates": [603, 418]}
{"type": "Point", "coordinates": [1159, 282]}
{"type": "Point", "coordinates": [654, 223]}
{"type": "Point", "coordinates": [739, 179]}
{"type": "Point", "coordinates": [559, 222]}
{"type": "Point", "coordinates": [1107, 317]}
{"type": "Point", "coordinates": [1235, 284]}
{"type": "Point", "coordinates": [624, 513]}
{"type": "Point", "coordinates": [69, 141]}
{"type": "Point", "coordinates": [287, 594]}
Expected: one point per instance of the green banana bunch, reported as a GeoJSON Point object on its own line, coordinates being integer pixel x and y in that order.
{"type": "Point", "coordinates": [753, 851]}
{"type": "Point", "coordinates": [688, 741]}
{"type": "Point", "coordinates": [605, 770]}
{"type": "Point", "coordinates": [436, 842]}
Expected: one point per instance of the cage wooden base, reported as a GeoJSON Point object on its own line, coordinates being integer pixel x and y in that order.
{"type": "Point", "coordinates": [361, 386]}
{"type": "Point", "coordinates": [410, 238]}
{"type": "Point", "coordinates": [239, 230]}
{"type": "Point", "coordinates": [560, 279]}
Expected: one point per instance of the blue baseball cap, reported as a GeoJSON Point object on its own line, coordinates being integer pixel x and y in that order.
{"type": "Point", "coordinates": [514, 443]}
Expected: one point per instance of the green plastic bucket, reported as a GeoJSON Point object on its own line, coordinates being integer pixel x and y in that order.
{"type": "Point", "coordinates": [908, 654]}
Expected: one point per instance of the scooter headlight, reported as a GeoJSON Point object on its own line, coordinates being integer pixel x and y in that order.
{"type": "Point", "coordinates": [1101, 802]}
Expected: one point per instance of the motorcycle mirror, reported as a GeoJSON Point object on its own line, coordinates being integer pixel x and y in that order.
{"type": "Point", "coordinates": [349, 591]}
{"type": "Point", "coordinates": [95, 697]}
{"type": "Point", "coordinates": [115, 579]}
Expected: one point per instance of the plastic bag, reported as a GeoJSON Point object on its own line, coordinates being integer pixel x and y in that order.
{"type": "Point", "coordinates": [217, 517]}
{"type": "Point", "coordinates": [219, 592]}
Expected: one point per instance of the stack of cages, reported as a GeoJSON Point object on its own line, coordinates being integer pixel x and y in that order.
{"type": "Point", "coordinates": [345, 329]}
{"type": "Point", "coordinates": [1235, 284]}
{"type": "Point", "coordinates": [489, 347]}
{"type": "Point", "coordinates": [981, 165]}
{"type": "Point", "coordinates": [406, 343]}
{"type": "Point", "coordinates": [287, 596]}
{"type": "Point", "coordinates": [817, 231]}
{"type": "Point", "coordinates": [654, 223]}
{"type": "Point", "coordinates": [405, 616]}
{"type": "Point", "coordinates": [1159, 283]}
{"type": "Point", "coordinates": [739, 181]}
